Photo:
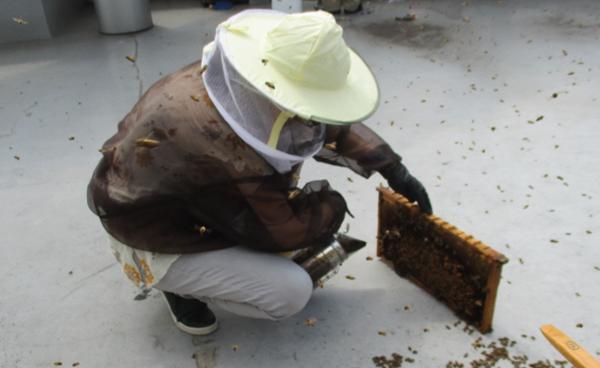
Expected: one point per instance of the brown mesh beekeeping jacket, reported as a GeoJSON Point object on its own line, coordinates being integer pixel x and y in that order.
{"type": "Point", "coordinates": [176, 179]}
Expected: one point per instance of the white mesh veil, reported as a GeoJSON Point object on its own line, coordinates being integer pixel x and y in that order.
{"type": "Point", "coordinates": [251, 115]}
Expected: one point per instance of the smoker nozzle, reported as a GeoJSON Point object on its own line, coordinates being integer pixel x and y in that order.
{"type": "Point", "coordinates": [349, 243]}
{"type": "Point", "coordinates": [322, 263]}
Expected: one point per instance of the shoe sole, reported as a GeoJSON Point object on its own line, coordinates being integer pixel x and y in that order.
{"type": "Point", "coordinates": [197, 331]}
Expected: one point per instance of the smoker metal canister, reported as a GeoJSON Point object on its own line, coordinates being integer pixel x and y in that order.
{"type": "Point", "coordinates": [301, 255]}
{"type": "Point", "coordinates": [325, 263]}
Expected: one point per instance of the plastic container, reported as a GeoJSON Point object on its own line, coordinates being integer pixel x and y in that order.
{"type": "Point", "coordinates": [123, 16]}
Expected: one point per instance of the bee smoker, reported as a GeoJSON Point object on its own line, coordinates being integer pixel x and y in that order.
{"type": "Point", "coordinates": [324, 262]}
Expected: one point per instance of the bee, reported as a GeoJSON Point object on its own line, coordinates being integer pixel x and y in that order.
{"type": "Point", "coordinates": [293, 194]}
{"type": "Point", "coordinates": [147, 142]}
{"type": "Point", "coordinates": [203, 230]}
{"type": "Point", "coordinates": [20, 20]}
{"type": "Point", "coordinates": [310, 322]}
{"type": "Point", "coordinates": [331, 146]}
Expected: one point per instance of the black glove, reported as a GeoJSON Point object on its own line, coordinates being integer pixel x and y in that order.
{"type": "Point", "coordinates": [400, 180]}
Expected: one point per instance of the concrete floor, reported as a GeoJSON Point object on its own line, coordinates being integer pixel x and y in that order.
{"type": "Point", "coordinates": [467, 100]}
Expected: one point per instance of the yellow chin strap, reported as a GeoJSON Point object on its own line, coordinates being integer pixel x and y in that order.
{"type": "Point", "coordinates": [282, 118]}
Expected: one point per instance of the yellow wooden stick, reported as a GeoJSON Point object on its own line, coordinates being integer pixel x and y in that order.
{"type": "Point", "coordinates": [571, 350]}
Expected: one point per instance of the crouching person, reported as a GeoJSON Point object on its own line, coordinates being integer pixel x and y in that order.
{"type": "Point", "coordinates": [198, 187]}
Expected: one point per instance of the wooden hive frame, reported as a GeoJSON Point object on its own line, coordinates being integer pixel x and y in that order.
{"type": "Point", "coordinates": [461, 243]}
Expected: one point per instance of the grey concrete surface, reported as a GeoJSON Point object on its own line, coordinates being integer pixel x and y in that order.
{"type": "Point", "coordinates": [467, 100]}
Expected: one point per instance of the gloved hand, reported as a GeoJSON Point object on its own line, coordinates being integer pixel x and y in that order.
{"type": "Point", "coordinates": [401, 181]}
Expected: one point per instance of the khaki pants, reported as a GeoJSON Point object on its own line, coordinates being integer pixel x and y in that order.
{"type": "Point", "coordinates": [242, 281]}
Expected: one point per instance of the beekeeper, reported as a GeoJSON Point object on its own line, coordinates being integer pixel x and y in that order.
{"type": "Point", "coordinates": [197, 188]}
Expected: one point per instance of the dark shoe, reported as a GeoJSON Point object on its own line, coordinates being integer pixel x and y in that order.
{"type": "Point", "coordinates": [190, 315]}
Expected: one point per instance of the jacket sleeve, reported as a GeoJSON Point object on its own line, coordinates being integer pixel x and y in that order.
{"type": "Point", "coordinates": [356, 147]}
{"type": "Point", "coordinates": [279, 222]}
